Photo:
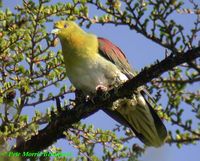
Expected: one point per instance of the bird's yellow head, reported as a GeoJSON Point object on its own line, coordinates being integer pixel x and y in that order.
{"type": "Point", "coordinates": [74, 40]}
{"type": "Point", "coordinates": [64, 29]}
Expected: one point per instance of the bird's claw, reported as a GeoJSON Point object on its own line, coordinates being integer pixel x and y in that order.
{"type": "Point", "coordinates": [102, 91]}
{"type": "Point", "coordinates": [101, 88]}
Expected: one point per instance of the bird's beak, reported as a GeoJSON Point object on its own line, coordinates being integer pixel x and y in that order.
{"type": "Point", "coordinates": [55, 31]}
{"type": "Point", "coordinates": [55, 36]}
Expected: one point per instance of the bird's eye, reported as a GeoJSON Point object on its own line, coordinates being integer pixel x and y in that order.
{"type": "Point", "coordinates": [65, 26]}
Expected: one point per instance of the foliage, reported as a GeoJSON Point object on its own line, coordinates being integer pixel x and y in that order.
{"type": "Point", "coordinates": [32, 73]}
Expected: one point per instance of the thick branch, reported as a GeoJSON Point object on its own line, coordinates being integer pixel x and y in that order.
{"type": "Point", "coordinates": [59, 124]}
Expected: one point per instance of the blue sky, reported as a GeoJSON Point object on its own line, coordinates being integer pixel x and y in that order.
{"type": "Point", "coordinates": [140, 52]}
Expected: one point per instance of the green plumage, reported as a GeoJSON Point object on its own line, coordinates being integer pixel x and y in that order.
{"type": "Point", "coordinates": [93, 62]}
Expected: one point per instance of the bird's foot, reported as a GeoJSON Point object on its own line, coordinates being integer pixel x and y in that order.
{"type": "Point", "coordinates": [101, 88]}
{"type": "Point", "coordinates": [102, 91]}
{"type": "Point", "coordinates": [79, 96]}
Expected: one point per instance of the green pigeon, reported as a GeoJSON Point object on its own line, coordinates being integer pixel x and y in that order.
{"type": "Point", "coordinates": [94, 63]}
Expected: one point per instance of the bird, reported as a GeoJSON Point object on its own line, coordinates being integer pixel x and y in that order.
{"type": "Point", "coordinates": [94, 63]}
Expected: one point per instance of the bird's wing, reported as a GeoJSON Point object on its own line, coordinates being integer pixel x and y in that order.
{"type": "Point", "coordinates": [114, 54]}
{"type": "Point", "coordinates": [142, 119]}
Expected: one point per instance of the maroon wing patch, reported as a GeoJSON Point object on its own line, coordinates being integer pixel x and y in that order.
{"type": "Point", "coordinates": [114, 54]}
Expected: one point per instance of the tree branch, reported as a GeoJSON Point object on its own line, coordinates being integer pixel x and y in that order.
{"type": "Point", "coordinates": [182, 81]}
{"type": "Point", "coordinates": [54, 130]}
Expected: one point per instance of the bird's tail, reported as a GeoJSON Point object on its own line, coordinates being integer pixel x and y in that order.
{"type": "Point", "coordinates": [138, 114]}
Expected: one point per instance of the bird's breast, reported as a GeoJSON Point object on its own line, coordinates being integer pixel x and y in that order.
{"type": "Point", "coordinates": [87, 73]}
